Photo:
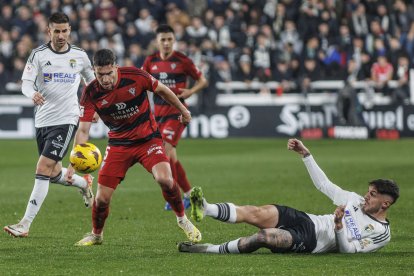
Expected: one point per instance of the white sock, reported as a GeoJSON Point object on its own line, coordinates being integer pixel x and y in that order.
{"type": "Point", "coordinates": [39, 193]}
{"type": "Point", "coordinates": [221, 211]}
{"type": "Point", "coordinates": [78, 181]}
{"type": "Point", "coordinates": [224, 248]}
{"type": "Point", "coordinates": [180, 219]}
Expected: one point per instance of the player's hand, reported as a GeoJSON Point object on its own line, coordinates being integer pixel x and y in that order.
{"type": "Point", "coordinates": [185, 117]}
{"type": "Point", "coordinates": [70, 171]}
{"type": "Point", "coordinates": [38, 99]}
{"type": "Point", "coordinates": [185, 93]}
{"type": "Point", "coordinates": [95, 118]}
{"type": "Point", "coordinates": [297, 146]}
{"type": "Point", "coordinates": [339, 214]}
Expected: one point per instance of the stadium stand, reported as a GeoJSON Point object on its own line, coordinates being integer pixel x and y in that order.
{"type": "Point", "coordinates": [287, 48]}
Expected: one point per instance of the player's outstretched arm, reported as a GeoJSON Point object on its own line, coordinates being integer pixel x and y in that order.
{"type": "Point", "coordinates": [297, 146]}
{"type": "Point", "coordinates": [172, 99]}
{"type": "Point", "coordinates": [198, 86]}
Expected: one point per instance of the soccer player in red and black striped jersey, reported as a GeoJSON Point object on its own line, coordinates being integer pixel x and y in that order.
{"type": "Point", "coordinates": [119, 96]}
{"type": "Point", "coordinates": [173, 68]}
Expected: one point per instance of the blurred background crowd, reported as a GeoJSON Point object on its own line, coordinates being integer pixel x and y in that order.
{"type": "Point", "coordinates": [293, 42]}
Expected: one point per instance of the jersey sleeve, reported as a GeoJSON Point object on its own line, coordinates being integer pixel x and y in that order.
{"type": "Point", "coordinates": [192, 70]}
{"type": "Point", "coordinates": [87, 110]}
{"type": "Point", "coordinates": [323, 184]}
{"type": "Point", "coordinates": [151, 83]}
{"type": "Point", "coordinates": [87, 71]}
{"type": "Point", "coordinates": [145, 66]}
{"type": "Point", "coordinates": [32, 68]}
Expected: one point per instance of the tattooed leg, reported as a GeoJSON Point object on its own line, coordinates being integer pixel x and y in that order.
{"type": "Point", "coordinates": [271, 238]}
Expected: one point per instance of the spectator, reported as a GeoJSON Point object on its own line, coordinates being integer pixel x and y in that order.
{"type": "Point", "coordinates": [359, 21]}
{"type": "Point", "coordinates": [309, 74]}
{"type": "Point", "coordinates": [220, 33]}
{"type": "Point", "coordinates": [4, 78]}
{"type": "Point", "coordinates": [136, 55]}
{"type": "Point", "coordinates": [381, 73]}
{"type": "Point", "coordinates": [403, 16]}
{"type": "Point", "coordinates": [143, 23]}
{"type": "Point", "coordinates": [283, 75]}
{"type": "Point", "coordinates": [24, 22]}
{"type": "Point", "coordinates": [6, 17]}
{"type": "Point", "coordinates": [244, 71]}
{"type": "Point", "coordinates": [401, 94]}
{"type": "Point", "coordinates": [349, 107]}
{"type": "Point", "coordinates": [261, 61]}
{"type": "Point", "coordinates": [196, 31]}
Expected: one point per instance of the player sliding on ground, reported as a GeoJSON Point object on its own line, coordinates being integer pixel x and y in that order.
{"type": "Point", "coordinates": [359, 223]}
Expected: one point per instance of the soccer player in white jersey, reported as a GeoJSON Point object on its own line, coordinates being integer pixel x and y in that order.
{"type": "Point", "coordinates": [358, 224]}
{"type": "Point", "coordinates": [51, 79]}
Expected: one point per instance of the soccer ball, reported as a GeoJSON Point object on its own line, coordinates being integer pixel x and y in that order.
{"type": "Point", "coordinates": [85, 158]}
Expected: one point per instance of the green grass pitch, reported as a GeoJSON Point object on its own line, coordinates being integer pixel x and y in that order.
{"type": "Point", "coordinates": [140, 237]}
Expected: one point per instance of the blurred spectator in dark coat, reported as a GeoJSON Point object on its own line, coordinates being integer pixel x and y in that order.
{"type": "Point", "coordinates": [23, 22]}
{"type": "Point", "coordinates": [349, 107]}
{"type": "Point", "coordinates": [283, 75]}
{"type": "Point", "coordinates": [407, 42]}
{"type": "Point", "coordinates": [245, 69]}
{"type": "Point", "coordinates": [359, 21]}
{"type": "Point", "coordinates": [136, 54]}
{"type": "Point", "coordinates": [403, 16]}
{"type": "Point", "coordinates": [6, 18]}
{"type": "Point", "coordinates": [310, 72]}
{"type": "Point", "coordinates": [401, 94]}
{"type": "Point", "coordinates": [4, 78]}
{"type": "Point", "coordinates": [376, 32]}
{"type": "Point", "coordinates": [395, 51]}
{"type": "Point", "coordinates": [197, 31]}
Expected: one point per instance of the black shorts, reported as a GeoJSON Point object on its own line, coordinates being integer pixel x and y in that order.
{"type": "Point", "coordinates": [300, 226]}
{"type": "Point", "coordinates": [54, 141]}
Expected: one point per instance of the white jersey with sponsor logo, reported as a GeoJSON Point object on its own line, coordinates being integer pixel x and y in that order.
{"type": "Point", "coordinates": [57, 75]}
{"type": "Point", "coordinates": [364, 233]}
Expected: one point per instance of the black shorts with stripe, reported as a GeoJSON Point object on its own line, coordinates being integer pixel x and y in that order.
{"type": "Point", "coordinates": [53, 141]}
{"type": "Point", "coordinates": [300, 226]}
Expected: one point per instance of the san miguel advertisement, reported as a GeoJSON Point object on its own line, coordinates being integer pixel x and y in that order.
{"type": "Point", "coordinates": [383, 122]}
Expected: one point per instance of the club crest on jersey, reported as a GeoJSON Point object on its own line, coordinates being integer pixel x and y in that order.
{"type": "Point", "coordinates": [72, 63]}
{"type": "Point", "coordinates": [173, 66]}
{"type": "Point", "coordinates": [155, 67]}
{"type": "Point", "coordinates": [132, 91]}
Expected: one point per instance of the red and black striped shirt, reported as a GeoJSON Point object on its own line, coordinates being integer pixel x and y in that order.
{"type": "Point", "coordinates": [126, 109]}
{"type": "Point", "coordinates": [173, 72]}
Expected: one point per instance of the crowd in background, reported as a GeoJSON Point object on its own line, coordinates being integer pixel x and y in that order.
{"type": "Point", "coordinates": [293, 42]}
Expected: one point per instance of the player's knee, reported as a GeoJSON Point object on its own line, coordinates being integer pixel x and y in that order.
{"type": "Point", "coordinates": [102, 201]}
{"type": "Point", "coordinates": [263, 237]}
{"type": "Point", "coordinates": [165, 181]}
{"type": "Point", "coordinates": [44, 168]}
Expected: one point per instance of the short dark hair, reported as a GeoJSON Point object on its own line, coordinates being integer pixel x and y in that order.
{"type": "Point", "coordinates": [386, 186]}
{"type": "Point", "coordinates": [104, 57]}
{"type": "Point", "coordinates": [58, 18]}
{"type": "Point", "coordinates": [164, 28]}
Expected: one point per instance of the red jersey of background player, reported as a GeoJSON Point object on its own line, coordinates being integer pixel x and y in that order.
{"type": "Point", "coordinates": [125, 109]}
{"type": "Point", "coordinates": [172, 72]}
